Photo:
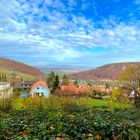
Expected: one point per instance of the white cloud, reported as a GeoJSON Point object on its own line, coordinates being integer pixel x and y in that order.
{"type": "Point", "coordinates": [58, 37]}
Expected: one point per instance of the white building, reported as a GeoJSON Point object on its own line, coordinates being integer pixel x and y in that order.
{"type": "Point", "coordinates": [133, 95]}
{"type": "Point", "coordinates": [5, 86]}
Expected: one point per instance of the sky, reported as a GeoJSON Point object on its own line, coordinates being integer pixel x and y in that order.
{"type": "Point", "coordinates": [86, 33]}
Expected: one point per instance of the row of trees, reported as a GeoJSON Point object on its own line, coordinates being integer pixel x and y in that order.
{"type": "Point", "coordinates": [3, 77]}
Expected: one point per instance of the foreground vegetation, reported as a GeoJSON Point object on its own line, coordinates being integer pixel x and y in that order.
{"type": "Point", "coordinates": [68, 119]}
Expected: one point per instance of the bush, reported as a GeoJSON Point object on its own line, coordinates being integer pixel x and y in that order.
{"type": "Point", "coordinates": [118, 97]}
{"type": "Point", "coordinates": [78, 123]}
{"type": "Point", "coordinates": [6, 104]}
{"type": "Point", "coordinates": [97, 93]}
{"type": "Point", "coordinates": [137, 102]}
{"type": "Point", "coordinates": [67, 118]}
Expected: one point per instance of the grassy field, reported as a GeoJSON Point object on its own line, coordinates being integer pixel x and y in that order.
{"type": "Point", "coordinates": [98, 102]}
{"type": "Point", "coordinates": [107, 103]}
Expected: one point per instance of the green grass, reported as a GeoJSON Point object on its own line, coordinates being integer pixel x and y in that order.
{"type": "Point", "coordinates": [98, 102]}
{"type": "Point", "coordinates": [107, 103]}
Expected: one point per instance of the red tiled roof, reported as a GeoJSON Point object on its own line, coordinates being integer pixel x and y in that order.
{"type": "Point", "coordinates": [75, 89]}
{"type": "Point", "coordinates": [39, 83]}
{"type": "Point", "coordinates": [82, 89]}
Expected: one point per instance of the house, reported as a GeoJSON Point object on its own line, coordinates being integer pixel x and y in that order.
{"type": "Point", "coordinates": [23, 85]}
{"type": "Point", "coordinates": [83, 89]}
{"type": "Point", "coordinates": [72, 88]}
{"type": "Point", "coordinates": [4, 85]}
{"type": "Point", "coordinates": [5, 90]}
{"type": "Point", "coordinates": [133, 94]}
{"type": "Point", "coordinates": [40, 88]}
{"type": "Point", "coordinates": [24, 88]}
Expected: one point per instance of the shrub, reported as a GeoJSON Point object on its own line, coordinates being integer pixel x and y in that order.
{"type": "Point", "coordinates": [118, 97]}
{"type": "Point", "coordinates": [6, 104]}
{"type": "Point", "coordinates": [137, 102]}
{"type": "Point", "coordinates": [78, 123]}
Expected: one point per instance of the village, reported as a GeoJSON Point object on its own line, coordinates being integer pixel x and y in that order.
{"type": "Point", "coordinates": [75, 88]}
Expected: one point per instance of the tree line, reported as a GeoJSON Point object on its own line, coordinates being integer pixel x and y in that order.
{"type": "Point", "coordinates": [3, 77]}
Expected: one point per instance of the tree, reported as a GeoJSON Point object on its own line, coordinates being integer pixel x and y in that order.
{"type": "Point", "coordinates": [65, 80]}
{"type": "Point", "coordinates": [5, 78]}
{"type": "Point", "coordinates": [76, 83]}
{"type": "Point", "coordinates": [21, 79]}
{"type": "Point", "coordinates": [56, 83]}
{"type": "Point", "coordinates": [50, 80]}
{"type": "Point", "coordinates": [13, 75]}
{"type": "Point", "coordinates": [89, 83]}
{"type": "Point", "coordinates": [53, 82]}
{"type": "Point", "coordinates": [130, 79]}
{"type": "Point", "coordinates": [107, 86]}
{"type": "Point", "coordinates": [0, 78]}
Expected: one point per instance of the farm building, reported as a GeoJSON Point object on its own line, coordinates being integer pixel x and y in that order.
{"type": "Point", "coordinates": [40, 88]}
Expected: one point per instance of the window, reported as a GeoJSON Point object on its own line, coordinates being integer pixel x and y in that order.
{"type": "Point", "coordinates": [37, 87]}
{"type": "Point", "coordinates": [37, 94]}
{"type": "Point", "coordinates": [42, 87]}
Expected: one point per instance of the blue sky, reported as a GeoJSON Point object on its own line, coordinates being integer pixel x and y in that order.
{"type": "Point", "coordinates": [86, 33]}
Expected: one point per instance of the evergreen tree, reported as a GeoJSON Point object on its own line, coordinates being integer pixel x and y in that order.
{"type": "Point", "coordinates": [0, 78]}
{"type": "Point", "coordinates": [89, 83]}
{"type": "Point", "coordinates": [76, 83]}
{"type": "Point", "coordinates": [5, 78]}
{"type": "Point", "coordinates": [50, 80]}
{"type": "Point", "coordinates": [107, 86]}
{"type": "Point", "coordinates": [56, 83]}
{"type": "Point", "coordinates": [65, 80]}
{"type": "Point", "coordinates": [13, 75]}
{"type": "Point", "coordinates": [21, 79]}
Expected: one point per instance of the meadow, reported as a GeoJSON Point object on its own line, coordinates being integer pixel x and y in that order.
{"type": "Point", "coordinates": [65, 118]}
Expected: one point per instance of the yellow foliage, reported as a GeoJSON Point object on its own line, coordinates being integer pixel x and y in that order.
{"type": "Point", "coordinates": [18, 103]}
{"type": "Point", "coordinates": [82, 101]}
{"type": "Point", "coordinates": [118, 97]}
{"type": "Point", "coordinates": [51, 103]}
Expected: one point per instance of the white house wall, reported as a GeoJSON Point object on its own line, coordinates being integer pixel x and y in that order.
{"type": "Point", "coordinates": [4, 86]}
{"type": "Point", "coordinates": [40, 89]}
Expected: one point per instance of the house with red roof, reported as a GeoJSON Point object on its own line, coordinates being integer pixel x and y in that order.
{"type": "Point", "coordinates": [40, 89]}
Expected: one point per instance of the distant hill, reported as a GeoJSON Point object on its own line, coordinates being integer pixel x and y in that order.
{"type": "Point", "coordinates": [10, 66]}
{"type": "Point", "coordinates": [109, 71]}
{"type": "Point", "coordinates": [62, 69]}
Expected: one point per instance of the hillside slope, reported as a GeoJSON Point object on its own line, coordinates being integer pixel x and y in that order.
{"type": "Point", "coordinates": [8, 65]}
{"type": "Point", "coordinates": [109, 71]}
